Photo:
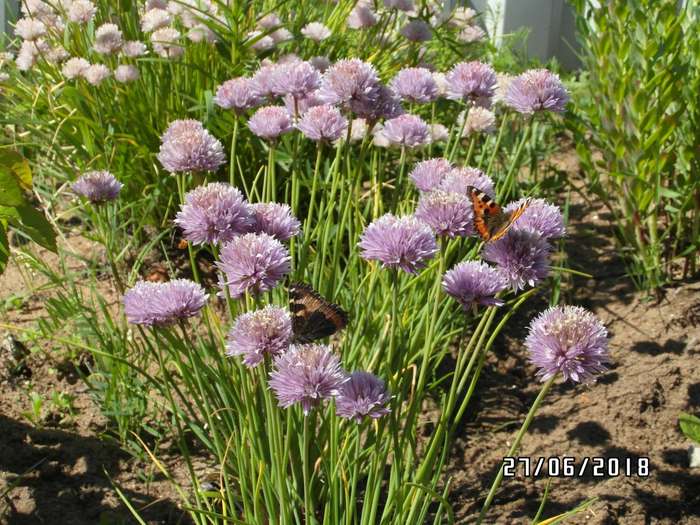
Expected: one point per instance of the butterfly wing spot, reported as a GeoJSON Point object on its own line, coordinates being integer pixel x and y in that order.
{"type": "Point", "coordinates": [313, 317]}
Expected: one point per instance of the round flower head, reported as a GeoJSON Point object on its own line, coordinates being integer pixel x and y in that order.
{"type": "Point", "coordinates": [504, 80]}
{"type": "Point", "coordinates": [536, 90]}
{"type": "Point", "coordinates": [155, 19]}
{"type": "Point", "coordinates": [134, 48]}
{"type": "Point", "coordinates": [260, 42]}
{"type": "Point", "coordinates": [30, 28]}
{"type": "Point", "coordinates": [362, 395]}
{"type": "Point", "coordinates": [275, 219]}
{"type": "Point", "coordinates": [458, 180]}
{"type": "Point", "coordinates": [398, 242]}
{"type": "Point", "coordinates": [214, 213]}
{"type": "Point", "coordinates": [299, 105]}
{"type": "Point", "coordinates": [472, 283]}
{"type": "Point", "coordinates": [540, 217]}
{"type": "Point", "coordinates": [362, 16]}
{"type": "Point", "coordinates": [57, 54]}
{"type": "Point", "coordinates": [262, 80]}
{"type": "Point", "coordinates": [108, 39]}
{"type": "Point", "coordinates": [81, 11]}
{"type": "Point", "coordinates": [74, 67]}
{"type": "Point", "coordinates": [471, 34]}
{"type": "Point", "coordinates": [479, 120]}
{"type": "Point", "coordinates": [323, 123]}
{"type": "Point", "coordinates": [570, 340]}
{"type": "Point", "coordinates": [270, 122]}
{"type": "Point", "coordinates": [438, 133]}
{"type": "Point", "coordinates": [187, 146]}
{"type": "Point", "coordinates": [97, 186]}
{"type": "Point", "coordinates": [296, 79]}
{"type": "Point", "coordinates": [522, 257]}
{"type": "Point", "coordinates": [316, 31]}
{"type": "Point", "coordinates": [254, 335]}
{"type": "Point", "coordinates": [202, 33]}
{"type": "Point", "coordinates": [96, 74]}
{"type": "Point", "coordinates": [166, 42]}
{"type": "Point", "coordinates": [126, 73]}
{"type": "Point", "coordinates": [161, 304]}
{"type": "Point", "coordinates": [428, 174]}
{"type": "Point", "coordinates": [473, 82]}
{"type": "Point", "coordinates": [415, 84]}
{"type": "Point", "coordinates": [306, 374]}
{"type": "Point", "coordinates": [417, 31]}
{"type": "Point", "coordinates": [448, 214]}
{"type": "Point", "coordinates": [252, 263]}
{"type": "Point", "coordinates": [237, 94]}
{"type": "Point", "coordinates": [407, 130]}
{"type": "Point", "coordinates": [349, 82]}
{"type": "Point", "coordinates": [385, 104]}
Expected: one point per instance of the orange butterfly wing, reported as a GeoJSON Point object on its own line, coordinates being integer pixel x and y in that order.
{"type": "Point", "coordinates": [511, 219]}
{"type": "Point", "coordinates": [484, 209]}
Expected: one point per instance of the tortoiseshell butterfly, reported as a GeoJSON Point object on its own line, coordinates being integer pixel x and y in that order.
{"type": "Point", "coordinates": [489, 220]}
{"type": "Point", "coordinates": [313, 317]}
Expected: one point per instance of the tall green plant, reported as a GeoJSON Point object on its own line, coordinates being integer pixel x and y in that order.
{"type": "Point", "coordinates": [636, 127]}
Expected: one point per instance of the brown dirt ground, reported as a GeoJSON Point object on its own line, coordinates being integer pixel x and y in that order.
{"type": "Point", "coordinates": [60, 472]}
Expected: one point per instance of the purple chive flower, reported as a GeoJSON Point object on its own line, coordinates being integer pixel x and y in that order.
{"type": "Point", "coordinates": [108, 39]}
{"type": "Point", "coordinates": [479, 120]}
{"type": "Point", "coordinates": [448, 214]}
{"type": "Point", "coordinates": [349, 82]}
{"type": "Point", "coordinates": [541, 217]}
{"type": "Point", "coordinates": [296, 79]}
{"type": "Point", "coordinates": [214, 213]}
{"type": "Point", "coordinates": [75, 67]}
{"type": "Point", "coordinates": [415, 84]}
{"type": "Point", "coordinates": [407, 131]}
{"type": "Point", "coordinates": [262, 80]}
{"type": "Point", "coordinates": [254, 335]}
{"type": "Point", "coordinates": [402, 5]}
{"type": "Point", "coordinates": [362, 395]}
{"type": "Point", "coordinates": [126, 73]}
{"type": "Point", "coordinates": [522, 257]}
{"type": "Point", "coordinates": [276, 220]}
{"type": "Point", "coordinates": [536, 90]}
{"type": "Point", "coordinates": [362, 16]}
{"type": "Point", "coordinates": [386, 104]}
{"type": "Point", "coordinates": [306, 374]}
{"type": "Point", "coordinates": [398, 242]}
{"type": "Point", "coordinates": [238, 94]}
{"type": "Point", "coordinates": [474, 282]}
{"type": "Point", "coordinates": [320, 62]}
{"type": "Point", "coordinates": [161, 304]}
{"type": "Point", "coordinates": [438, 133]}
{"type": "Point", "coordinates": [458, 180]}
{"type": "Point", "coordinates": [428, 174]}
{"type": "Point", "coordinates": [323, 123]}
{"type": "Point", "coordinates": [97, 186]}
{"type": "Point", "coordinates": [473, 82]}
{"type": "Point", "coordinates": [417, 31]}
{"type": "Point", "coordinates": [270, 122]}
{"type": "Point", "coordinates": [252, 263]}
{"type": "Point", "coordinates": [570, 340]}
{"type": "Point", "coordinates": [188, 146]}
{"type": "Point", "coordinates": [316, 31]}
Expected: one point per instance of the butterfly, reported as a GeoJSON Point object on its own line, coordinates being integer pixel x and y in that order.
{"type": "Point", "coordinates": [313, 317]}
{"type": "Point", "coordinates": [489, 220]}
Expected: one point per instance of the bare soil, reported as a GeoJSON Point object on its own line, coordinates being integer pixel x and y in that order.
{"type": "Point", "coordinates": [63, 470]}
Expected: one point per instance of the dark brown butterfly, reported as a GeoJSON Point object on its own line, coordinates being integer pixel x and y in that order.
{"type": "Point", "coordinates": [489, 220]}
{"type": "Point", "coordinates": [313, 317]}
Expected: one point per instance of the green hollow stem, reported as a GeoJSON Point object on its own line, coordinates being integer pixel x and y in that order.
{"type": "Point", "coordinates": [458, 138]}
{"type": "Point", "coordinates": [308, 505]}
{"type": "Point", "coordinates": [499, 138]}
{"type": "Point", "coordinates": [232, 161]}
{"type": "Point", "coordinates": [515, 446]}
{"type": "Point", "coordinates": [398, 188]}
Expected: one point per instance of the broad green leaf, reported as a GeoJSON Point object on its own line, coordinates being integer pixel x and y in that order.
{"type": "Point", "coordinates": [690, 426]}
{"type": "Point", "coordinates": [33, 223]}
{"type": "Point", "coordinates": [11, 193]}
{"type": "Point", "coordinates": [18, 165]}
{"type": "Point", "coordinates": [4, 248]}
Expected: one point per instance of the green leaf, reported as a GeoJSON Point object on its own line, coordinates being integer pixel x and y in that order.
{"type": "Point", "coordinates": [33, 223]}
{"type": "Point", "coordinates": [4, 248]}
{"type": "Point", "coordinates": [19, 167]}
{"type": "Point", "coordinates": [11, 193]}
{"type": "Point", "coordinates": [690, 426]}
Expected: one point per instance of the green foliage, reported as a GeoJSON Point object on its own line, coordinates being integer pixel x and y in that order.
{"type": "Point", "coordinates": [16, 210]}
{"type": "Point", "coordinates": [637, 128]}
{"type": "Point", "coordinates": [690, 426]}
